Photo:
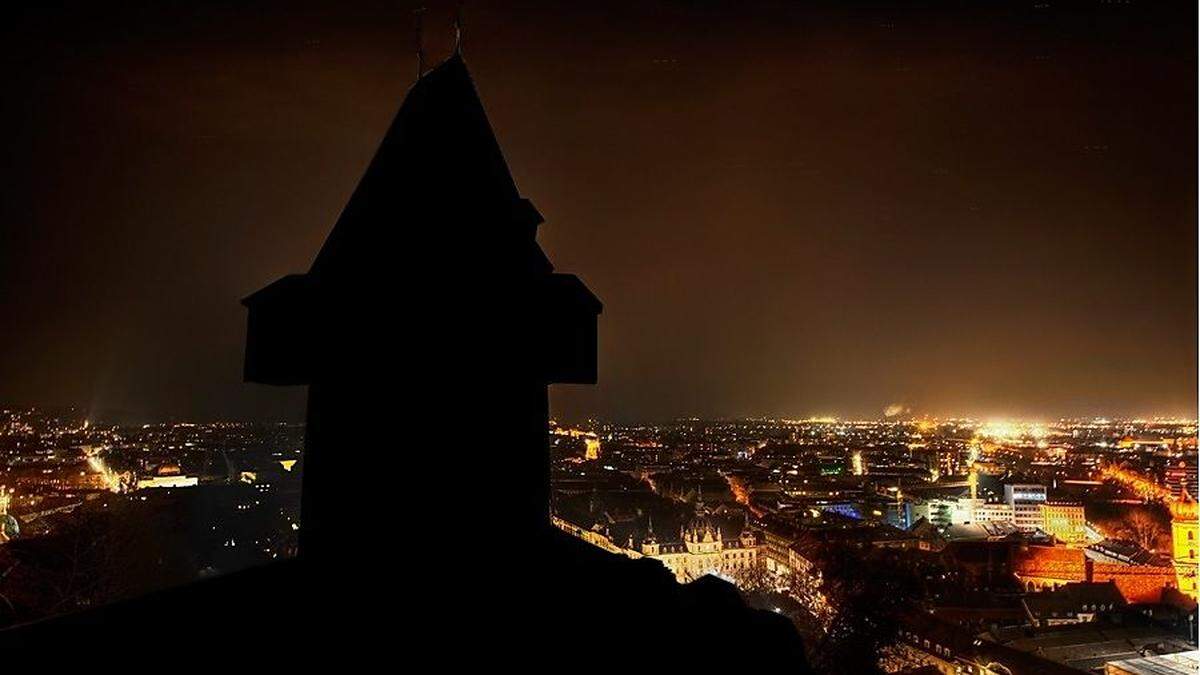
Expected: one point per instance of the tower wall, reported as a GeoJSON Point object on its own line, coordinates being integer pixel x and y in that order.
{"type": "Point", "coordinates": [1185, 545]}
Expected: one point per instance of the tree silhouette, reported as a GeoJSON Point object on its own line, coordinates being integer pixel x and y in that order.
{"type": "Point", "coordinates": [868, 591]}
{"type": "Point", "coordinates": [1142, 528]}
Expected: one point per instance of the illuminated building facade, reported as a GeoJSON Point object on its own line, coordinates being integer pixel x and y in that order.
{"type": "Point", "coordinates": [596, 537]}
{"type": "Point", "coordinates": [1026, 502]}
{"type": "Point", "coordinates": [177, 481]}
{"type": "Point", "coordinates": [939, 512]}
{"type": "Point", "coordinates": [702, 550]}
{"type": "Point", "coordinates": [776, 552]}
{"type": "Point", "coordinates": [591, 448]}
{"type": "Point", "coordinates": [1184, 533]}
{"type": "Point", "coordinates": [994, 513]}
{"type": "Point", "coordinates": [1065, 522]}
{"type": "Point", "coordinates": [979, 511]}
{"type": "Point", "coordinates": [591, 443]}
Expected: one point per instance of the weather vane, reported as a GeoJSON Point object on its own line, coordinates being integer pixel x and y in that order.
{"type": "Point", "coordinates": [420, 15]}
{"type": "Point", "coordinates": [458, 26]}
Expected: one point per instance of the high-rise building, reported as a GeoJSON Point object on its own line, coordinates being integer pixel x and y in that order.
{"type": "Point", "coordinates": [1026, 502]}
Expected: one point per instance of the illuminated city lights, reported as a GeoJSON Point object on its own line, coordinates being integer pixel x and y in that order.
{"type": "Point", "coordinates": [794, 490]}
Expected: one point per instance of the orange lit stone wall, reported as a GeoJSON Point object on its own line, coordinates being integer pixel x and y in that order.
{"type": "Point", "coordinates": [1045, 566]}
{"type": "Point", "coordinates": [1138, 583]}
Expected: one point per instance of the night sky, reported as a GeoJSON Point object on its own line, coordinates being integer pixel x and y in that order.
{"type": "Point", "coordinates": [787, 208]}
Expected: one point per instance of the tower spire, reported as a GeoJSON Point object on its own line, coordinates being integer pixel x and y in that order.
{"type": "Point", "coordinates": [458, 26]}
{"type": "Point", "coordinates": [419, 14]}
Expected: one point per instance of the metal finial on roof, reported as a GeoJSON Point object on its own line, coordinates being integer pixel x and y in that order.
{"type": "Point", "coordinates": [420, 40]}
{"type": "Point", "coordinates": [458, 26]}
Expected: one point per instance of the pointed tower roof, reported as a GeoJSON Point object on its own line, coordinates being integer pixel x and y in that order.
{"type": "Point", "coordinates": [437, 229]}
{"type": "Point", "coordinates": [650, 538]}
{"type": "Point", "coordinates": [439, 164]}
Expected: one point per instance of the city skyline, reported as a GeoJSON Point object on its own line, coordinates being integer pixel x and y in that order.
{"type": "Point", "coordinates": [892, 308]}
{"type": "Point", "coordinates": [816, 210]}
{"type": "Point", "coordinates": [906, 416]}
{"type": "Point", "coordinates": [1092, 506]}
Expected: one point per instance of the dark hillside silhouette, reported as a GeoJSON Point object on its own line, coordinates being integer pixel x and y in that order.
{"type": "Point", "coordinates": [432, 302]}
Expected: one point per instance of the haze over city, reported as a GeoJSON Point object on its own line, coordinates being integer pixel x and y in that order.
{"type": "Point", "coordinates": [981, 210]}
